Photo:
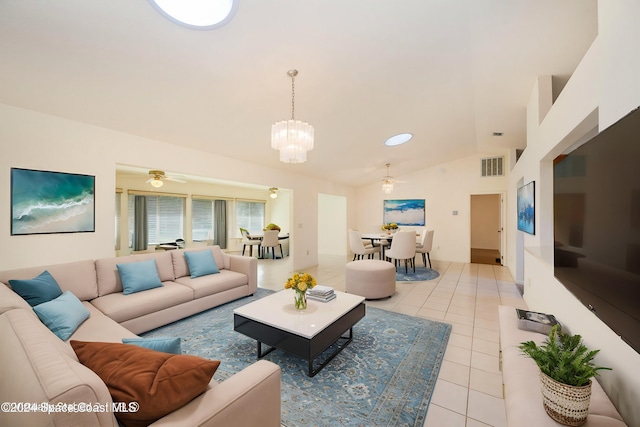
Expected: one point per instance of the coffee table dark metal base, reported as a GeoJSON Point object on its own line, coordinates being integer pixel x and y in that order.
{"type": "Point", "coordinates": [307, 348]}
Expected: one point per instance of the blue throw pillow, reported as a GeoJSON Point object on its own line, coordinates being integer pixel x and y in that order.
{"type": "Point", "coordinates": [165, 345]}
{"type": "Point", "coordinates": [38, 290]}
{"type": "Point", "coordinates": [139, 276]}
{"type": "Point", "coordinates": [201, 263]}
{"type": "Point", "coordinates": [62, 315]}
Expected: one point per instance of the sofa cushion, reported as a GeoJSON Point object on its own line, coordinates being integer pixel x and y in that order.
{"type": "Point", "coordinates": [62, 315]}
{"type": "Point", "coordinates": [42, 288]}
{"type": "Point", "coordinates": [99, 327]}
{"type": "Point", "coordinates": [163, 344]}
{"type": "Point", "coordinates": [122, 307]}
{"type": "Point", "coordinates": [179, 261]}
{"type": "Point", "coordinates": [213, 283]}
{"type": "Point", "coordinates": [201, 263]}
{"type": "Point", "coordinates": [109, 279]}
{"type": "Point", "coordinates": [159, 382]}
{"type": "Point", "coordinates": [138, 276]}
{"type": "Point", "coordinates": [78, 277]}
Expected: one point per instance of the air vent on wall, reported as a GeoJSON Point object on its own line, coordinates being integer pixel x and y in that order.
{"type": "Point", "coordinates": [492, 166]}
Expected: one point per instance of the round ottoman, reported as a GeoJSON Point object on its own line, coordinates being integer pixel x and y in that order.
{"type": "Point", "coordinates": [370, 278]}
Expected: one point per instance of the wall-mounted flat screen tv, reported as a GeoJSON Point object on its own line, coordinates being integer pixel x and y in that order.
{"type": "Point", "coordinates": [597, 225]}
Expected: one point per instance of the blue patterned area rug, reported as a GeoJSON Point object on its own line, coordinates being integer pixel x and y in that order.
{"type": "Point", "coordinates": [422, 273]}
{"type": "Point", "coordinates": [384, 377]}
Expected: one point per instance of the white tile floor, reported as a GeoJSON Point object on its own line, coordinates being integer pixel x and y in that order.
{"type": "Point", "coordinates": [469, 389]}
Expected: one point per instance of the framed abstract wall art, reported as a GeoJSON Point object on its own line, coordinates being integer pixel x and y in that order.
{"type": "Point", "coordinates": [404, 212]}
{"type": "Point", "coordinates": [526, 208]}
{"type": "Point", "coordinates": [44, 202]}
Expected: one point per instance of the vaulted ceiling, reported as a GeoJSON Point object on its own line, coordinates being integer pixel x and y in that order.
{"type": "Point", "coordinates": [451, 72]}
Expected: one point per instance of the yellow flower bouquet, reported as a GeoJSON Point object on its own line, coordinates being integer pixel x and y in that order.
{"type": "Point", "coordinates": [300, 282]}
{"type": "Point", "coordinates": [390, 227]}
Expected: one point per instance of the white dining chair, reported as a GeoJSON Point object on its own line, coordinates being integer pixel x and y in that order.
{"type": "Point", "coordinates": [248, 241]}
{"type": "Point", "coordinates": [403, 248]}
{"type": "Point", "coordinates": [270, 240]}
{"type": "Point", "coordinates": [358, 248]}
{"type": "Point", "coordinates": [425, 246]}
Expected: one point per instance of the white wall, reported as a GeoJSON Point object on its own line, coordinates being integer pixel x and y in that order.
{"type": "Point", "coordinates": [445, 188]}
{"type": "Point", "coordinates": [332, 224]}
{"type": "Point", "coordinates": [38, 141]}
{"type": "Point", "coordinates": [602, 90]}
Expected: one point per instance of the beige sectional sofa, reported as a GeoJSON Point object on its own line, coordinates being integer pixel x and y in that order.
{"type": "Point", "coordinates": [520, 376]}
{"type": "Point", "coordinates": [37, 366]}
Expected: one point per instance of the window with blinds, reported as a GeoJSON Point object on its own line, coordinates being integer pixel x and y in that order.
{"type": "Point", "coordinates": [165, 218]}
{"type": "Point", "coordinates": [201, 219]}
{"type": "Point", "coordinates": [250, 215]}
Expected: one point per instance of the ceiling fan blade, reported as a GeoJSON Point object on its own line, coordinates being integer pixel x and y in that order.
{"type": "Point", "coordinates": [171, 178]}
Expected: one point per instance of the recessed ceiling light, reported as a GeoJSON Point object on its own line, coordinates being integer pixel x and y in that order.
{"type": "Point", "coordinates": [398, 139]}
{"type": "Point", "coordinates": [197, 14]}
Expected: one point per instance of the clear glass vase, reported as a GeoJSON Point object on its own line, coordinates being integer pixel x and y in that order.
{"type": "Point", "coordinates": [300, 300]}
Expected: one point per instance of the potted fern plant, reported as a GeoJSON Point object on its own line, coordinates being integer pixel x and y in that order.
{"type": "Point", "coordinates": [566, 368]}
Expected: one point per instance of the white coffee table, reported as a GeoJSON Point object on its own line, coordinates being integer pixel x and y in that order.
{"type": "Point", "coordinates": [274, 321]}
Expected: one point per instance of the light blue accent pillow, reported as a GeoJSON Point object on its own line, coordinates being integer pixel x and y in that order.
{"type": "Point", "coordinates": [62, 315]}
{"type": "Point", "coordinates": [165, 345]}
{"type": "Point", "coordinates": [40, 289]}
{"type": "Point", "coordinates": [201, 263]}
{"type": "Point", "coordinates": [139, 276]}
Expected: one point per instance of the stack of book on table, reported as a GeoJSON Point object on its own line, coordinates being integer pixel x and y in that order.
{"type": "Point", "coordinates": [534, 321]}
{"type": "Point", "coordinates": [321, 293]}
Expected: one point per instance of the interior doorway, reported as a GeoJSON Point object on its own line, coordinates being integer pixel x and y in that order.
{"type": "Point", "coordinates": [486, 229]}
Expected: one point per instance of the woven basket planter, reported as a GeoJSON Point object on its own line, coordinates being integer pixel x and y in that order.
{"type": "Point", "coordinates": [564, 403]}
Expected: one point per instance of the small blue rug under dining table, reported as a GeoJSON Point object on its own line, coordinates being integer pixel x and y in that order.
{"type": "Point", "coordinates": [420, 274]}
{"type": "Point", "coordinates": [384, 377]}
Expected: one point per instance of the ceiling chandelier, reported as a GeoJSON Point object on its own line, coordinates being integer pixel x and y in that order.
{"type": "Point", "coordinates": [387, 182]}
{"type": "Point", "coordinates": [292, 137]}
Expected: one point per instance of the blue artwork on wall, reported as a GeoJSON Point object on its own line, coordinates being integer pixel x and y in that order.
{"type": "Point", "coordinates": [45, 202]}
{"type": "Point", "coordinates": [404, 212]}
{"type": "Point", "coordinates": [526, 208]}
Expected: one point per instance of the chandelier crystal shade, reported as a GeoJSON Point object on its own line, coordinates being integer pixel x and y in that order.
{"type": "Point", "coordinates": [387, 182]}
{"type": "Point", "coordinates": [292, 137]}
{"type": "Point", "coordinates": [387, 186]}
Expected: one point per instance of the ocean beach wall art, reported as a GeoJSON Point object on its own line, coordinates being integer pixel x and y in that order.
{"type": "Point", "coordinates": [44, 202]}
{"type": "Point", "coordinates": [406, 212]}
{"type": "Point", "coordinates": [526, 208]}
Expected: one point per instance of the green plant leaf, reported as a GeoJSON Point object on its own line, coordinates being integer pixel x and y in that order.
{"type": "Point", "coordinates": [563, 357]}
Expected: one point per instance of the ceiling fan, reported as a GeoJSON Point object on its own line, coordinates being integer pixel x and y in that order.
{"type": "Point", "coordinates": [388, 181]}
{"type": "Point", "coordinates": [158, 178]}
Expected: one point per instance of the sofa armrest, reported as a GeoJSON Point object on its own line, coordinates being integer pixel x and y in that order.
{"type": "Point", "coordinates": [247, 266]}
{"type": "Point", "coordinates": [249, 398]}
